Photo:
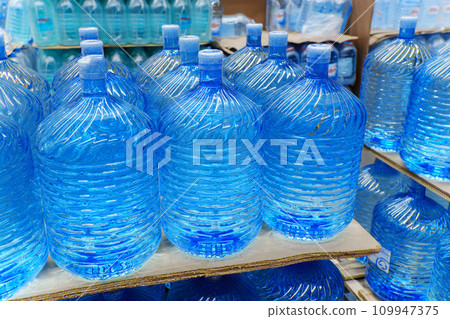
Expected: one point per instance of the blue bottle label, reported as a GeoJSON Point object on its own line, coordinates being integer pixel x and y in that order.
{"type": "Point", "coordinates": [382, 260]}
{"type": "Point", "coordinates": [184, 22]}
{"type": "Point", "coordinates": [346, 68]}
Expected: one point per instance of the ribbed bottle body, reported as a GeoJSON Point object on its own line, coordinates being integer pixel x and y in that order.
{"type": "Point", "coordinates": [242, 60]}
{"type": "Point", "coordinates": [439, 290]}
{"type": "Point", "coordinates": [156, 66]}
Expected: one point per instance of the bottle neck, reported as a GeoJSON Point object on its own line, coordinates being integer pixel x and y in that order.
{"type": "Point", "coordinates": [253, 41]}
{"type": "Point", "coordinates": [211, 77]}
{"type": "Point", "coordinates": [3, 55]}
{"type": "Point", "coordinates": [189, 58]}
{"type": "Point", "coordinates": [317, 70]}
{"type": "Point", "coordinates": [170, 43]}
{"type": "Point", "coordinates": [95, 87]}
{"type": "Point", "coordinates": [407, 33]}
{"type": "Point", "coordinates": [277, 52]}
{"type": "Point", "coordinates": [416, 190]}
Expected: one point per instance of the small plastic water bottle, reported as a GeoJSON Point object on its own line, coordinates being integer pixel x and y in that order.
{"type": "Point", "coordinates": [44, 23]}
{"type": "Point", "coordinates": [93, 15]}
{"type": "Point", "coordinates": [347, 63]}
{"type": "Point", "coordinates": [386, 101]}
{"type": "Point", "coordinates": [429, 16]}
{"type": "Point", "coordinates": [439, 290]}
{"type": "Point", "coordinates": [247, 57]}
{"type": "Point", "coordinates": [22, 235]}
{"type": "Point", "coordinates": [293, 8]}
{"type": "Point", "coordinates": [309, 281]}
{"type": "Point", "coordinates": [17, 21]}
{"type": "Point", "coordinates": [160, 14]}
{"type": "Point", "coordinates": [69, 17]}
{"type": "Point", "coordinates": [217, 15]}
{"type": "Point", "coordinates": [202, 20]}
{"type": "Point", "coordinates": [139, 25]}
{"type": "Point", "coordinates": [276, 11]}
{"type": "Point", "coordinates": [182, 11]}
{"type": "Point", "coordinates": [408, 227]}
{"type": "Point", "coordinates": [116, 22]}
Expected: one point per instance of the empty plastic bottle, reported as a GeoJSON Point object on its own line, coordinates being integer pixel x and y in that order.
{"type": "Point", "coordinates": [182, 15]}
{"type": "Point", "coordinates": [92, 15]}
{"type": "Point", "coordinates": [116, 24]}
{"type": "Point", "coordinates": [92, 231]}
{"type": "Point", "coordinates": [217, 16]}
{"type": "Point", "coordinates": [235, 287]}
{"type": "Point", "coordinates": [408, 227]}
{"type": "Point", "coordinates": [23, 245]}
{"type": "Point", "coordinates": [17, 22]}
{"type": "Point", "coordinates": [138, 22]}
{"type": "Point", "coordinates": [202, 20]}
{"type": "Point", "coordinates": [309, 281]}
{"type": "Point", "coordinates": [261, 80]}
{"type": "Point", "coordinates": [44, 23]}
{"type": "Point", "coordinates": [276, 11]}
{"type": "Point", "coordinates": [220, 213]}
{"type": "Point", "coordinates": [346, 68]}
{"type": "Point", "coordinates": [247, 57]}
{"type": "Point", "coordinates": [160, 14]}
{"type": "Point", "coordinates": [425, 145]}
{"type": "Point", "coordinates": [177, 81]}
{"type": "Point", "coordinates": [384, 100]}
{"type": "Point", "coordinates": [162, 62]}
{"type": "Point", "coordinates": [439, 290]}
{"type": "Point", "coordinates": [310, 188]}
{"type": "Point", "coordinates": [69, 17]}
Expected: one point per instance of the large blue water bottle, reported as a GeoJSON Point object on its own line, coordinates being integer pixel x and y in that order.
{"type": "Point", "coordinates": [316, 129]}
{"type": "Point", "coordinates": [220, 213]}
{"type": "Point", "coordinates": [408, 227]}
{"type": "Point", "coordinates": [138, 22]}
{"type": "Point", "coordinates": [309, 281]}
{"type": "Point", "coordinates": [22, 237]}
{"type": "Point", "coordinates": [182, 11]}
{"type": "Point", "coordinates": [235, 287]}
{"type": "Point", "coordinates": [261, 80]}
{"type": "Point", "coordinates": [17, 21]}
{"type": "Point", "coordinates": [162, 62]}
{"type": "Point", "coordinates": [103, 220]}
{"type": "Point", "coordinates": [69, 17]}
{"type": "Point", "coordinates": [425, 145]}
{"type": "Point", "coordinates": [384, 100]}
{"type": "Point", "coordinates": [439, 289]}
{"type": "Point", "coordinates": [160, 14]}
{"type": "Point", "coordinates": [116, 24]}
{"type": "Point", "coordinates": [252, 54]}
{"type": "Point", "coordinates": [177, 81]}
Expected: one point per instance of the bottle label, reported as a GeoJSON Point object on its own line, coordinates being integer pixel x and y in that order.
{"type": "Point", "coordinates": [345, 66]}
{"type": "Point", "coordinates": [433, 10]}
{"type": "Point", "coordinates": [414, 11]}
{"type": "Point", "coordinates": [278, 17]}
{"type": "Point", "coordinates": [185, 23]}
{"type": "Point", "coordinates": [215, 27]}
{"type": "Point", "coordinates": [332, 71]}
{"type": "Point", "coordinates": [382, 260]}
{"type": "Point", "coordinates": [43, 21]}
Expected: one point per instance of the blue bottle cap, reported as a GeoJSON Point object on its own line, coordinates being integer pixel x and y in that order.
{"type": "Point", "coordinates": [92, 67]}
{"type": "Point", "coordinates": [210, 59]}
{"type": "Point", "coordinates": [318, 53]}
{"type": "Point", "coordinates": [91, 47]}
{"type": "Point", "coordinates": [278, 39]}
{"type": "Point", "coordinates": [189, 43]}
{"type": "Point", "coordinates": [170, 31]}
{"type": "Point", "coordinates": [89, 33]}
{"type": "Point", "coordinates": [254, 29]}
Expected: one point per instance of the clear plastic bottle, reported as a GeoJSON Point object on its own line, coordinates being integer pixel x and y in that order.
{"type": "Point", "coordinates": [220, 213]}
{"type": "Point", "coordinates": [276, 15]}
{"type": "Point", "coordinates": [202, 20]}
{"type": "Point", "coordinates": [217, 15]}
{"type": "Point", "coordinates": [48, 62]}
{"type": "Point", "coordinates": [308, 281]}
{"type": "Point", "coordinates": [445, 14]}
{"type": "Point", "coordinates": [333, 71]}
{"type": "Point", "coordinates": [116, 24]}
{"type": "Point", "coordinates": [439, 290]}
{"type": "Point", "coordinates": [22, 235]}
{"type": "Point", "coordinates": [386, 101]}
{"type": "Point", "coordinates": [138, 22]}
{"type": "Point", "coordinates": [3, 9]}
{"type": "Point", "coordinates": [342, 10]}
{"type": "Point", "coordinates": [310, 188]}
{"type": "Point", "coordinates": [118, 55]}
{"type": "Point", "coordinates": [425, 145]}
{"type": "Point", "coordinates": [182, 11]}
{"type": "Point", "coordinates": [93, 15]}
{"type": "Point", "coordinates": [69, 17]}
{"type": "Point", "coordinates": [408, 227]}
{"type": "Point", "coordinates": [429, 15]}
{"type": "Point", "coordinates": [138, 56]}
{"type": "Point", "coordinates": [177, 81]}
{"type": "Point", "coordinates": [319, 18]}
{"type": "Point", "coordinates": [261, 80]}
{"type": "Point", "coordinates": [160, 14]}
{"type": "Point", "coordinates": [162, 62]}
{"type": "Point", "coordinates": [17, 22]}
{"type": "Point", "coordinates": [293, 8]}
{"type": "Point", "coordinates": [44, 24]}
{"type": "Point", "coordinates": [92, 231]}
{"type": "Point", "coordinates": [247, 57]}
{"type": "Point", "coordinates": [223, 288]}
{"type": "Point", "coordinates": [346, 68]}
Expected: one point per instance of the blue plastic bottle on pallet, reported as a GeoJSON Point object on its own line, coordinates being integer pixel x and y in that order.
{"type": "Point", "coordinates": [408, 227]}
{"type": "Point", "coordinates": [346, 68]}
{"type": "Point", "coordinates": [138, 22]}
{"type": "Point", "coordinates": [220, 213]}
{"type": "Point", "coordinates": [23, 247]}
{"type": "Point", "coordinates": [182, 11]}
{"type": "Point", "coordinates": [261, 80]}
{"type": "Point", "coordinates": [316, 129]}
{"type": "Point", "coordinates": [160, 14]}
{"type": "Point", "coordinates": [116, 22]}
{"type": "Point", "coordinates": [17, 22]}
{"type": "Point", "coordinates": [21, 75]}
{"type": "Point", "coordinates": [202, 20]}
{"type": "Point", "coordinates": [162, 62]}
{"type": "Point", "coordinates": [69, 17]}
{"type": "Point", "coordinates": [44, 24]}
{"type": "Point", "coordinates": [177, 81]}
{"type": "Point", "coordinates": [92, 231]}
{"type": "Point", "coordinates": [236, 287]}
{"type": "Point", "coordinates": [439, 289]}
{"type": "Point", "coordinates": [93, 15]}
{"type": "Point", "coordinates": [425, 147]}
{"type": "Point", "coordinates": [308, 281]}
{"type": "Point", "coordinates": [386, 101]}
{"type": "Point", "coordinates": [252, 54]}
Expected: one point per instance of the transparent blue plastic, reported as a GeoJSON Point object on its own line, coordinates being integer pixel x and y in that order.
{"type": "Point", "coordinates": [346, 68]}
{"type": "Point", "coordinates": [261, 80]}
{"type": "Point", "coordinates": [177, 81]}
{"type": "Point", "coordinates": [149, 293]}
{"type": "Point", "coordinates": [182, 11]}
{"type": "Point", "coordinates": [220, 211]}
{"type": "Point", "coordinates": [429, 14]}
{"type": "Point", "coordinates": [386, 84]}
{"type": "Point", "coordinates": [17, 21]}
{"type": "Point", "coordinates": [92, 15]}
{"type": "Point", "coordinates": [70, 70]}
{"type": "Point", "coordinates": [138, 22]}
{"type": "Point", "coordinates": [162, 62]}
{"type": "Point", "coordinates": [138, 56]}
{"type": "Point", "coordinates": [102, 215]}
{"type": "Point", "coordinates": [235, 287]}
{"type": "Point", "coordinates": [43, 23]}
{"type": "Point", "coordinates": [23, 248]}
{"type": "Point", "coordinates": [309, 281]}
{"type": "Point", "coordinates": [160, 14]}
{"type": "Point", "coordinates": [425, 147]}
{"type": "Point", "coordinates": [202, 20]}
{"type": "Point", "coordinates": [116, 22]}
{"type": "Point", "coordinates": [439, 289]}
{"type": "Point", "coordinates": [310, 188]}
{"type": "Point", "coordinates": [408, 227]}
{"type": "Point", "coordinates": [69, 18]}
{"type": "Point", "coordinates": [247, 57]}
